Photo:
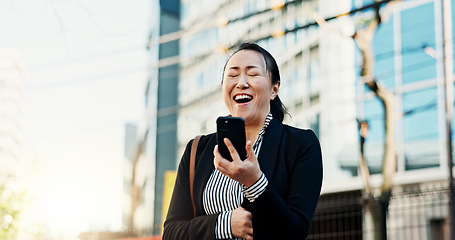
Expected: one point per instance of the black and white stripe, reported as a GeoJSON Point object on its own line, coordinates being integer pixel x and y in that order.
{"type": "Point", "coordinates": [223, 195]}
{"type": "Point", "coordinates": [258, 143]}
{"type": "Point", "coordinates": [253, 192]}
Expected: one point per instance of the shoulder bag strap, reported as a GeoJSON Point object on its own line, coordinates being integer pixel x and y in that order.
{"type": "Point", "coordinates": [192, 168]}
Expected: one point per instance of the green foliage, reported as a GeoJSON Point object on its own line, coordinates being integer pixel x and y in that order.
{"type": "Point", "coordinates": [10, 207]}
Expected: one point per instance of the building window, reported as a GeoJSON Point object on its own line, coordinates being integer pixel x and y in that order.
{"type": "Point", "coordinates": [420, 129]}
{"type": "Point", "coordinates": [314, 124]}
{"type": "Point", "coordinates": [383, 48]}
{"type": "Point", "coordinates": [418, 133]}
{"type": "Point", "coordinates": [418, 30]}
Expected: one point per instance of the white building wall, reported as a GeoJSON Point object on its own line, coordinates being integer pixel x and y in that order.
{"type": "Point", "coordinates": [12, 82]}
{"type": "Point", "coordinates": [317, 70]}
{"type": "Point", "coordinates": [338, 100]}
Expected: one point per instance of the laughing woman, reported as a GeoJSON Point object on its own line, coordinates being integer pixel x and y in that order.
{"type": "Point", "coordinates": [273, 193]}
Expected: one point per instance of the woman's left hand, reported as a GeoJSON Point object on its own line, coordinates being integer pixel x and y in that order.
{"type": "Point", "coordinates": [246, 172]}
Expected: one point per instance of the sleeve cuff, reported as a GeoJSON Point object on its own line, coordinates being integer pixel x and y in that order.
{"type": "Point", "coordinates": [223, 226]}
{"type": "Point", "coordinates": [255, 190]}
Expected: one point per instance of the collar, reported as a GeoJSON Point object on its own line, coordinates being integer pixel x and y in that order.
{"type": "Point", "coordinates": [261, 133]}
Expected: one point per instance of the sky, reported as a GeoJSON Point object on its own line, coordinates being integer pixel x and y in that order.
{"type": "Point", "coordinates": [84, 63]}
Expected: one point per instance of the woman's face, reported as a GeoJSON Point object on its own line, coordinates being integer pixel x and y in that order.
{"type": "Point", "coordinates": [247, 89]}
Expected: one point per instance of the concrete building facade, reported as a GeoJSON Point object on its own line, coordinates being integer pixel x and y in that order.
{"type": "Point", "coordinates": [321, 86]}
{"type": "Point", "coordinates": [316, 86]}
{"type": "Point", "coordinates": [156, 136]}
{"type": "Point", "coordinates": [12, 87]}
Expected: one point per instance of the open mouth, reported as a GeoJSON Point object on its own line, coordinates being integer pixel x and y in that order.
{"type": "Point", "coordinates": [242, 98]}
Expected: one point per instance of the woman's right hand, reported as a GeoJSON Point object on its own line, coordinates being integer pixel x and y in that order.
{"type": "Point", "coordinates": [241, 224]}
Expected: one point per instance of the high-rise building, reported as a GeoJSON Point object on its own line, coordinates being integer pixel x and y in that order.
{"type": "Point", "coordinates": [130, 151]}
{"type": "Point", "coordinates": [156, 136]}
{"type": "Point", "coordinates": [321, 86]}
{"type": "Point", "coordinates": [316, 86]}
{"type": "Point", "coordinates": [12, 82]}
{"type": "Point", "coordinates": [14, 169]}
{"type": "Point", "coordinates": [166, 93]}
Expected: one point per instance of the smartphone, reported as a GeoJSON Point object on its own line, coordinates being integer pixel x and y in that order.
{"type": "Point", "coordinates": [232, 128]}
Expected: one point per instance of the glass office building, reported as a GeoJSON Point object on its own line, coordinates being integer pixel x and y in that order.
{"type": "Point", "coordinates": [408, 55]}
{"type": "Point", "coordinates": [320, 75]}
{"type": "Point", "coordinates": [154, 139]}
{"type": "Point", "coordinates": [318, 85]}
{"type": "Point", "coordinates": [321, 85]}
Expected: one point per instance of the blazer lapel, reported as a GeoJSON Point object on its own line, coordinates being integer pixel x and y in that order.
{"type": "Point", "coordinates": [269, 148]}
{"type": "Point", "coordinates": [203, 171]}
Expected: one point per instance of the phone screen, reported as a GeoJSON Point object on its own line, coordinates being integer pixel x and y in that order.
{"type": "Point", "coordinates": [232, 128]}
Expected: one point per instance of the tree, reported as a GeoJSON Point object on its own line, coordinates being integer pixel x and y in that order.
{"type": "Point", "coordinates": [10, 208]}
{"type": "Point", "coordinates": [377, 205]}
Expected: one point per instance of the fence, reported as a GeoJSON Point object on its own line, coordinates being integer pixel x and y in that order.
{"type": "Point", "coordinates": [415, 212]}
{"type": "Point", "coordinates": [338, 216]}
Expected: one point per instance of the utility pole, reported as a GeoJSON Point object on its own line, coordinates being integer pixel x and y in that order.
{"type": "Point", "coordinates": [448, 77]}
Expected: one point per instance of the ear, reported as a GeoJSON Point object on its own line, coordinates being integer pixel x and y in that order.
{"type": "Point", "coordinates": [275, 88]}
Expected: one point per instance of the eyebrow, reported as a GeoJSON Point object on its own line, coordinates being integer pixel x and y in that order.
{"type": "Point", "coordinates": [247, 67]}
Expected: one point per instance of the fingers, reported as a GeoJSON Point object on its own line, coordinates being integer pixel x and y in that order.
{"type": "Point", "coordinates": [218, 160]}
{"type": "Point", "coordinates": [234, 154]}
{"type": "Point", "coordinates": [248, 227]}
{"type": "Point", "coordinates": [248, 237]}
{"type": "Point", "coordinates": [250, 150]}
{"type": "Point", "coordinates": [241, 223]}
{"type": "Point", "coordinates": [231, 169]}
{"type": "Point", "coordinates": [246, 172]}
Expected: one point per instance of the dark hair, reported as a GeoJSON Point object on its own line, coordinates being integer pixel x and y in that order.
{"type": "Point", "coordinates": [277, 108]}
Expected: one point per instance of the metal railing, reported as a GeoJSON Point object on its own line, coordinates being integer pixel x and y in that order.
{"type": "Point", "coordinates": [415, 212]}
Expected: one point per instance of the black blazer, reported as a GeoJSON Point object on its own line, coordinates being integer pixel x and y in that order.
{"type": "Point", "coordinates": [291, 160]}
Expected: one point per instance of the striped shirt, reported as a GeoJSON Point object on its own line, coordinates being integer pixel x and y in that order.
{"type": "Point", "coordinates": [223, 195]}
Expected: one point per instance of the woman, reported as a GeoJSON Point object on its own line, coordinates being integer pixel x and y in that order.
{"type": "Point", "coordinates": [273, 193]}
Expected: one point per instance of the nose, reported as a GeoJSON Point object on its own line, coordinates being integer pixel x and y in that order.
{"type": "Point", "coordinates": [243, 82]}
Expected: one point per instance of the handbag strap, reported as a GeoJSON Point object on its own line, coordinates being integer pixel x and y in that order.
{"type": "Point", "coordinates": [192, 168]}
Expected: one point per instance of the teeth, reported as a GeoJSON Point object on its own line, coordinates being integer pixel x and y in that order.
{"type": "Point", "coordinates": [238, 97]}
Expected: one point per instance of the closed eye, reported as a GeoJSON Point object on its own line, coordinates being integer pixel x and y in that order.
{"type": "Point", "coordinates": [253, 72]}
